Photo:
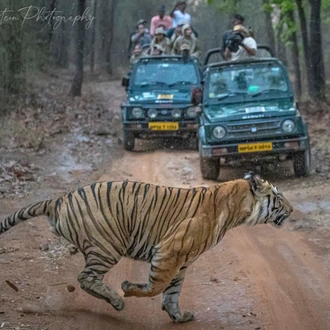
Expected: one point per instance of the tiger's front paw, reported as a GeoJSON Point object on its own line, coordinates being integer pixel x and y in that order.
{"type": "Point", "coordinates": [118, 304]}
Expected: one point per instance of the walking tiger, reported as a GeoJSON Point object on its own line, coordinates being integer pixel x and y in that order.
{"type": "Point", "coordinates": [167, 227]}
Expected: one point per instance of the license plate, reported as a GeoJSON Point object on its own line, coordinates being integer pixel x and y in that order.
{"type": "Point", "coordinates": [165, 96]}
{"type": "Point", "coordinates": [255, 147]}
{"type": "Point", "coordinates": [160, 126]}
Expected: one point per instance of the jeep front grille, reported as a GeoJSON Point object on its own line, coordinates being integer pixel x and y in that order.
{"type": "Point", "coordinates": [254, 130]}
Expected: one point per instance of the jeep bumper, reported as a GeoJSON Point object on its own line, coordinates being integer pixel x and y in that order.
{"type": "Point", "coordinates": [283, 146]}
{"type": "Point", "coordinates": [180, 129]}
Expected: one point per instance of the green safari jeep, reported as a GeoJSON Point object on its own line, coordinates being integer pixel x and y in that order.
{"type": "Point", "coordinates": [159, 99]}
{"type": "Point", "coordinates": [249, 112]}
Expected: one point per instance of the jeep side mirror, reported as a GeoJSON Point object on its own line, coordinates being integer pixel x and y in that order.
{"type": "Point", "coordinates": [125, 81]}
{"type": "Point", "coordinates": [197, 96]}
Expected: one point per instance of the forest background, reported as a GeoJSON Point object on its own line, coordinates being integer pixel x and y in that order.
{"type": "Point", "coordinates": [33, 40]}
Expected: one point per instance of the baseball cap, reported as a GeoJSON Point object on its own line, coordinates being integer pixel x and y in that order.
{"type": "Point", "coordinates": [160, 30]}
{"type": "Point", "coordinates": [141, 21]}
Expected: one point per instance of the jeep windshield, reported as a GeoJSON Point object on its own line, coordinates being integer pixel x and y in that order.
{"type": "Point", "coordinates": [165, 74]}
{"type": "Point", "coordinates": [246, 83]}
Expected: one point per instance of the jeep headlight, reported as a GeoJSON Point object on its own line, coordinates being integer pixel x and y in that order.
{"type": "Point", "coordinates": [152, 113]}
{"type": "Point", "coordinates": [219, 132]}
{"type": "Point", "coordinates": [176, 113]}
{"type": "Point", "coordinates": [288, 126]}
{"type": "Point", "coordinates": [137, 112]}
{"type": "Point", "coordinates": [192, 112]}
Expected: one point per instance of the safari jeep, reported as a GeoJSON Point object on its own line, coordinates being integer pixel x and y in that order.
{"type": "Point", "coordinates": [158, 101]}
{"type": "Point", "coordinates": [249, 112]}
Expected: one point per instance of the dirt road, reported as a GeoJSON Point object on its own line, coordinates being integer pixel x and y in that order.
{"type": "Point", "coordinates": [256, 278]}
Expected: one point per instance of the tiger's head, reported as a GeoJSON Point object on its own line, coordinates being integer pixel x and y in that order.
{"type": "Point", "coordinates": [270, 204]}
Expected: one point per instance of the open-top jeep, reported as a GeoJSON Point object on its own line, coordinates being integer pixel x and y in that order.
{"type": "Point", "coordinates": [159, 99]}
{"type": "Point", "coordinates": [249, 112]}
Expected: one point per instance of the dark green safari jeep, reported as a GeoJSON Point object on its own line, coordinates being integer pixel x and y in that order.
{"type": "Point", "coordinates": [159, 99]}
{"type": "Point", "coordinates": [249, 113]}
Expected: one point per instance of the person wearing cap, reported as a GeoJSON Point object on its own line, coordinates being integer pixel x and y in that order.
{"type": "Point", "coordinates": [160, 19]}
{"type": "Point", "coordinates": [160, 39]}
{"type": "Point", "coordinates": [246, 49]}
{"type": "Point", "coordinates": [142, 35]}
{"type": "Point", "coordinates": [189, 39]}
{"type": "Point", "coordinates": [179, 13]}
{"type": "Point", "coordinates": [185, 50]}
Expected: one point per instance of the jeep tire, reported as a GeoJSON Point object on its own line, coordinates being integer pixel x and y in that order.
{"type": "Point", "coordinates": [210, 167]}
{"type": "Point", "coordinates": [302, 163]}
{"type": "Point", "coordinates": [129, 141]}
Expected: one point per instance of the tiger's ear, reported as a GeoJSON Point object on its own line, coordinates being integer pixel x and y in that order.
{"type": "Point", "coordinates": [254, 181]}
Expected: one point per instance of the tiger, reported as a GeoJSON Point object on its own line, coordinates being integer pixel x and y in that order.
{"type": "Point", "coordinates": [165, 226]}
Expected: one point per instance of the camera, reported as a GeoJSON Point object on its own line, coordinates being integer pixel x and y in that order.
{"type": "Point", "coordinates": [234, 40]}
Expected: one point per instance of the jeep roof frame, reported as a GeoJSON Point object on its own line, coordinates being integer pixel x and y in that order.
{"type": "Point", "coordinates": [245, 61]}
{"type": "Point", "coordinates": [212, 51]}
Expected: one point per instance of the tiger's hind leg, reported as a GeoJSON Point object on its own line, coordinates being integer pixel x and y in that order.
{"type": "Point", "coordinates": [170, 301]}
{"type": "Point", "coordinates": [91, 279]}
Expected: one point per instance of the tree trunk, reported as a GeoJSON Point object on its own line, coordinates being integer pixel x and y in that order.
{"type": "Point", "coordinates": [92, 58]}
{"type": "Point", "coordinates": [304, 36]}
{"type": "Point", "coordinates": [316, 52]}
{"type": "Point", "coordinates": [62, 58]}
{"type": "Point", "coordinates": [295, 57]}
{"type": "Point", "coordinates": [280, 46]}
{"type": "Point", "coordinates": [80, 42]}
{"type": "Point", "coordinates": [269, 28]}
{"type": "Point", "coordinates": [112, 25]}
{"type": "Point", "coordinates": [51, 27]}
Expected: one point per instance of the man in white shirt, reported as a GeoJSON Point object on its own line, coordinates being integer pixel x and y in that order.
{"type": "Point", "coordinates": [179, 14]}
{"type": "Point", "coordinates": [246, 49]}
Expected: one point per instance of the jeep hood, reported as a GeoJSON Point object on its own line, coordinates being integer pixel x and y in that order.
{"type": "Point", "coordinates": [249, 110]}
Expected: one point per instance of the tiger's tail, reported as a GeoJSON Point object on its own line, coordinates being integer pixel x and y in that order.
{"type": "Point", "coordinates": [31, 211]}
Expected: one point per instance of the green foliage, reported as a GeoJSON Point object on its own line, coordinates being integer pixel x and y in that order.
{"type": "Point", "coordinates": [225, 6]}
{"type": "Point", "coordinates": [286, 26]}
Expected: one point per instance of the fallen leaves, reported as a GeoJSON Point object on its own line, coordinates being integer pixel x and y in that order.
{"type": "Point", "coordinates": [12, 285]}
{"type": "Point", "coordinates": [15, 177]}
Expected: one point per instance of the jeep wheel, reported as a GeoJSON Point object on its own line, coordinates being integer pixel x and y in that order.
{"type": "Point", "coordinates": [302, 163]}
{"type": "Point", "coordinates": [210, 168]}
{"type": "Point", "coordinates": [129, 141]}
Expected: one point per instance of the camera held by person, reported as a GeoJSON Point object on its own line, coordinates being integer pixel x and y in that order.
{"type": "Point", "coordinates": [240, 45]}
{"type": "Point", "coordinates": [234, 41]}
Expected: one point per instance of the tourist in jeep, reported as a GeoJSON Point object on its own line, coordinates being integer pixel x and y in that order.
{"type": "Point", "coordinates": [240, 45]}
{"type": "Point", "coordinates": [137, 54]}
{"type": "Point", "coordinates": [160, 20]}
{"type": "Point", "coordinates": [142, 36]}
{"type": "Point", "coordinates": [179, 13]}
{"type": "Point", "coordinates": [187, 38]}
{"type": "Point", "coordinates": [160, 39]}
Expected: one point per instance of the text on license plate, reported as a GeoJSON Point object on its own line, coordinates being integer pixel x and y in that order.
{"type": "Point", "coordinates": [161, 126]}
{"type": "Point", "coordinates": [255, 147]}
{"type": "Point", "coordinates": [165, 96]}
